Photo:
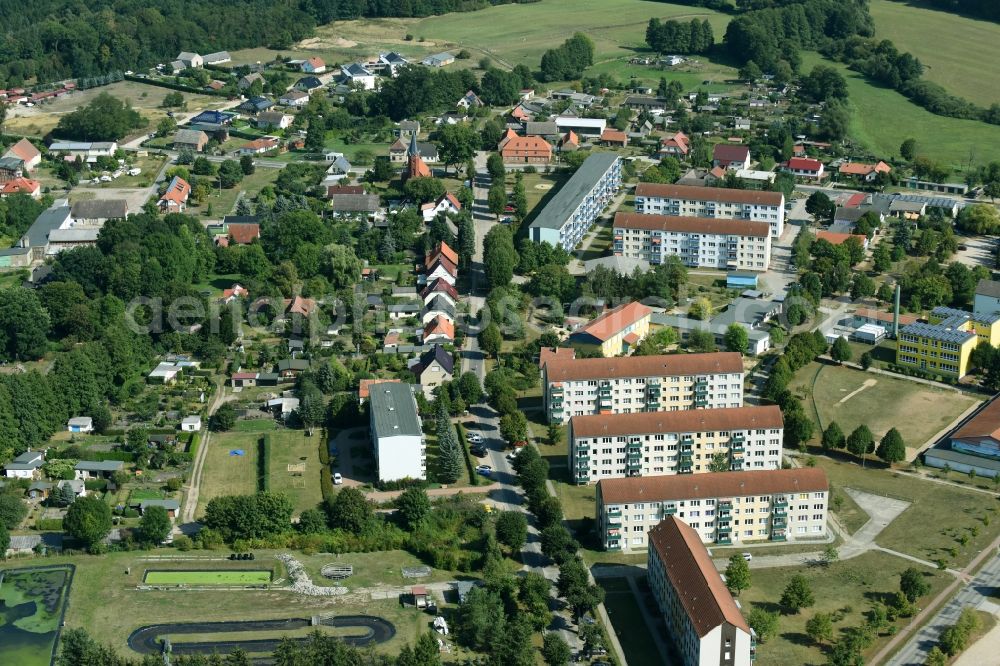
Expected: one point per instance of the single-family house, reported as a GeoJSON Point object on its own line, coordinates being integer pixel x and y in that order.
{"type": "Point", "coordinates": [805, 168]}
{"type": "Point", "coordinates": [570, 142]}
{"type": "Point", "coordinates": [190, 60]}
{"type": "Point", "coordinates": [172, 506]}
{"type": "Point", "coordinates": [256, 105]}
{"type": "Point", "coordinates": [188, 139]}
{"type": "Point", "coordinates": [291, 367]}
{"type": "Point", "coordinates": [84, 424]}
{"type": "Point", "coordinates": [438, 60]}
{"type": "Point", "coordinates": [247, 81]}
{"type": "Point", "coordinates": [440, 268]}
{"type": "Point", "coordinates": [358, 76]}
{"type": "Point", "coordinates": [346, 205]}
{"type": "Point", "coordinates": [25, 151]}
{"type": "Point", "coordinates": [432, 369]}
{"type": "Point", "coordinates": [241, 234]}
{"type": "Point", "coordinates": [391, 63]}
{"type": "Point", "coordinates": [165, 372]}
{"type": "Point", "coordinates": [308, 84]}
{"type": "Point", "coordinates": [294, 98]}
{"type": "Point", "coordinates": [439, 288]}
{"type": "Point", "coordinates": [407, 129]}
{"type": "Point", "coordinates": [275, 119]}
{"type": "Point", "coordinates": [729, 156]}
{"type": "Point", "coordinates": [470, 101]}
{"type": "Point", "coordinates": [439, 330]}
{"type": "Point", "coordinates": [191, 423]}
{"type": "Point", "coordinates": [614, 137]}
{"type": "Point", "coordinates": [337, 163]}
{"type": "Point", "coordinates": [438, 306]}
{"type": "Point", "coordinates": [447, 203]}
{"type": "Point", "coordinates": [678, 145]}
{"type": "Point", "coordinates": [301, 306]}
{"type": "Point", "coordinates": [313, 65]}
{"type": "Point", "coordinates": [32, 188]}
{"type": "Point", "coordinates": [259, 146]}
{"type": "Point", "coordinates": [864, 172]}
{"type": "Point", "coordinates": [97, 469]}
{"type": "Point", "coordinates": [175, 197]}
{"type": "Point", "coordinates": [76, 486]}
{"type": "Point", "coordinates": [243, 379]}
{"type": "Point", "coordinates": [11, 168]}
{"type": "Point", "coordinates": [25, 466]}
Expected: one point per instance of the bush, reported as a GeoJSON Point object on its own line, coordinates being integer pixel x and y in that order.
{"type": "Point", "coordinates": [463, 441]}
{"type": "Point", "coordinates": [264, 463]}
{"type": "Point", "coordinates": [174, 484]}
{"type": "Point", "coordinates": [326, 483]}
{"type": "Point", "coordinates": [96, 484]}
{"type": "Point", "coordinates": [49, 525]}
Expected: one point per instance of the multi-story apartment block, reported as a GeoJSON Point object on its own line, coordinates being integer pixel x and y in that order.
{"type": "Point", "coordinates": [578, 203]}
{"type": "Point", "coordinates": [726, 508]}
{"type": "Point", "coordinates": [944, 345]}
{"type": "Point", "coordinates": [682, 442]}
{"type": "Point", "coordinates": [692, 201]}
{"type": "Point", "coordinates": [700, 242]}
{"type": "Point", "coordinates": [397, 437]}
{"type": "Point", "coordinates": [702, 619]}
{"type": "Point", "coordinates": [633, 384]}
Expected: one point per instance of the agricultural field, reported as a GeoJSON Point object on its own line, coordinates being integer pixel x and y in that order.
{"type": "Point", "coordinates": [42, 119]}
{"type": "Point", "coordinates": [881, 119]}
{"type": "Point", "coordinates": [851, 397]}
{"type": "Point", "coordinates": [847, 589]}
{"type": "Point", "coordinates": [953, 48]}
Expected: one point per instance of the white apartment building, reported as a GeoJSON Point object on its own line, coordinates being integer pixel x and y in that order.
{"type": "Point", "coordinates": [633, 384]}
{"type": "Point", "coordinates": [692, 201]}
{"type": "Point", "coordinates": [726, 508]}
{"type": "Point", "coordinates": [681, 442]}
{"type": "Point", "coordinates": [702, 619]}
{"type": "Point", "coordinates": [578, 203]}
{"type": "Point", "coordinates": [700, 242]}
{"type": "Point", "coordinates": [397, 438]}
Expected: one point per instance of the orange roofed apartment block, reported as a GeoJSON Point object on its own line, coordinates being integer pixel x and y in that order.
{"type": "Point", "coordinates": [516, 149]}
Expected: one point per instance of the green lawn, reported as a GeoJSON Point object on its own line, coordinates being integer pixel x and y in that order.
{"type": "Point", "coordinates": [953, 48]}
{"type": "Point", "coordinates": [207, 577]}
{"type": "Point", "coordinates": [226, 474]}
{"type": "Point", "coordinates": [881, 119]}
{"type": "Point", "coordinates": [294, 448]}
{"type": "Point", "coordinates": [255, 425]}
{"type": "Point", "coordinates": [852, 397]}
{"type": "Point", "coordinates": [937, 520]}
{"type": "Point", "coordinates": [628, 622]}
{"type": "Point", "coordinates": [224, 201]}
{"type": "Point", "coordinates": [847, 588]}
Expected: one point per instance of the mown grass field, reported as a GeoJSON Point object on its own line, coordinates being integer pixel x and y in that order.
{"type": "Point", "coordinates": [848, 588]}
{"type": "Point", "coordinates": [207, 577]}
{"type": "Point", "coordinates": [295, 448]}
{"type": "Point", "coordinates": [226, 474]}
{"type": "Point", "coordinates": [628, 622]}
{"type": "Point", "coordinates": [955, 49]}
{"type": "Point", "coordinates": [852, 397]}
{"type": "Point", "coordinates": [881, 119]}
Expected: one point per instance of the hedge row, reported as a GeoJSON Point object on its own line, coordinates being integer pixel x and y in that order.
{"type": "Point", "coordinates": [49, 524]}
{"type": "Point", "coordinates": [463, 437]}
{"type": "Point", "coordinates": [264, 464]}
{"type": "Point", "coordinates": [174, 86]}
{"type": "Point", "coordinates": [101, 456]}
{"type": "Point", "coordinates": [326, 482]}
{"type": "Point", "coordinates": [193, 443]}
{"type": "Point", "coordinates": [96, 484]}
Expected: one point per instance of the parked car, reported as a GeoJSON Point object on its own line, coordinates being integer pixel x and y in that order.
{"type": "Point", "coordinates": [479, 451]}
{"type": "Point", "coordinates": [484, 470]}
{"type": "Point", "coordinates": [476, 438]}
{"type": "Point", "coordinates": [747, 556]}
{"type": "Point", "coordinates": [337, 479]}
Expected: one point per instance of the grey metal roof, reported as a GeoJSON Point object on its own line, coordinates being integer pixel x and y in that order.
{"type": "Point", "coordinates": [168, 504]}
{"type": "Point", "coordinates": [394, 411]}
{"type": "Point", "coordinates": [74, 235]}
{"type": "Point", "coordinates": [574, 191]}
{"type": "Point", "coordinates": [541, 128]}
{"type": "Point", "coordinates": [937, 332]}
{"type": "Point", "coordinates": [38, 233]}
{"type": "Point", "coordinates": [99, 465]}
{"type": "Point", "coordinates": [190, 136]}
{"type": "Point", "coordinates": [29, 457]}
{"type": "Point", "coordinates": [354, 203]}
{"type": "Point", "coordinates": [989, 288]}
{"type": "Point", "coordinates": [951, 456]}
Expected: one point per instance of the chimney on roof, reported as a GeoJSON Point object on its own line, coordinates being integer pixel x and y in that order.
{"type": "Point", "coordinates": [895, 314]}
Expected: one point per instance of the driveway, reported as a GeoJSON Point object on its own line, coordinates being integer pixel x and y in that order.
{"type": "Point", "coordinates": [979, 251]}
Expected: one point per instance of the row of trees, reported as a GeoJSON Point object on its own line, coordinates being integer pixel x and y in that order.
{"type": "Point", "coordinates": [861, 442]}
{"type": "Point", "coordinates": [672, 36]}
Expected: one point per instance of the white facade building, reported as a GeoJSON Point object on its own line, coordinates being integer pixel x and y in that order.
{"type": "Point", "coordinates": [397, 438]}
{"type": "Point", "coordinates": [576, 206]}
{"type": "Point", "coordinates": [702, 619]}
{"type": "Point", "coordinates": [633, 384]}
{"type": "Point", "coordinates": [681, 442]}
{"type": "Point", "coordinates": [726, 508]}
{"type": "Point", "coordinates": [699, 242]}
{"type": "Point", "coordinates": [694, 201]}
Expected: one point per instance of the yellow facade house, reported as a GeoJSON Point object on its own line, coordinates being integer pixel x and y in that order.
{"type": "Point", "coordinates": [943, 346]}
{"type": "Point", "coordinates": [615, 332]}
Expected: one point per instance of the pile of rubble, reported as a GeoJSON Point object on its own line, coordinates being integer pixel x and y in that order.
{"type": "Point", "coordinates": [302, 583]}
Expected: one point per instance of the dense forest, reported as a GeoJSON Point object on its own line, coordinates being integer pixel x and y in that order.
{"type": "Point", "coordinates": [47, 40]}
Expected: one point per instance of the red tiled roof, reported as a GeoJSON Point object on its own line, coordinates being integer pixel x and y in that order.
{"type": "Point", "coordinates": [417, 168]}
{"type": "Point", "coordinates": [259, 144]}
{"type": "Point", "coordinates": [546, 354]}
{"type": "Point", "coordinates": [679, 140]}
{"type": "Point", "coordinates": [244, 375]}
{"type": "Point", "coordinates": [235, 290]}
{"type": "Point", "coordinates": [364, 386]}
{"type": "Point", "coordinates": [690, 224]}
{"type": "Point", "coordinates": [886, 317]}
{"type": "Point", "coordinates": [177, 192]}
{"type": "Point", "coordinates": [613, 321]}
{"type": "Point", "coordinates": [515, 146]}
{"type": "Point", "coordinates": [855, 200]}
{"type": "Point", "coordinates": [631, 338]}
{"type": "Point", "coordinates": [696, 193]}
{"type": "Point", "coordinates": [445, 250]}
{"type": "Point", "coordinates": [440, 285]}
{"type": "Point", "coordinates": [25, 150]}
{"type": "Point", "coordinates": [316, 62]}
{"type": "Point", "coordinates": [804, 164]}
{"type": "Point", "coordinates": [299, 305]}
{"type": "Point", "coordinates": [20, 186]}
{"type": "Point", "coordinates": [571, 138]}
{"type": "Point", "coordinates": [244, 234]}
{"type": "Point", "coordinates": [614, 135]}
{"type": "Point", "coordinates": [862, 169]}
{"type": "Point", "coordinates": [693, 576]}
{"type": "Point", "coordinates": [687, 420]}
{"type": "Point", "coordinates": [344, 189]}
{"type": "Point", "coordinates": [664, 365]}
{"type": "Point", "coordinates": [439, 325]}
{"type": "Point", "coordinates": [727, 153]}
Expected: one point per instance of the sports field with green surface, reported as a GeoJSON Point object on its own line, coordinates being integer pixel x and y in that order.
{"type": "Point", "coordinates": [955, 50]}
{"type": "Point", "coordinates": [207, 577]}
{"type": "Point", "coordinates": [881, 119]}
